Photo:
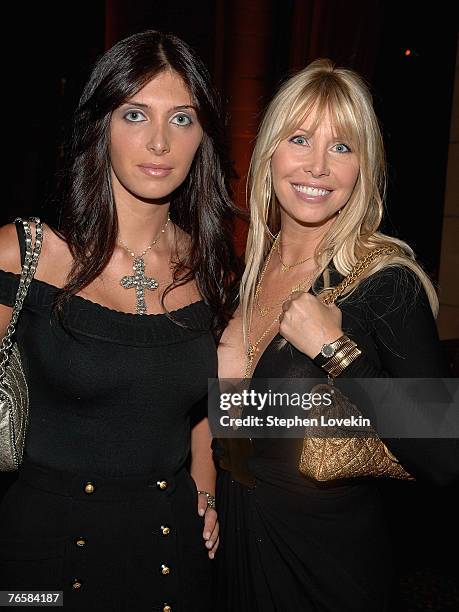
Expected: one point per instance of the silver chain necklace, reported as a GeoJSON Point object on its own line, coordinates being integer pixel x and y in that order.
{"type": "Point", "coordinates": [139, 280]}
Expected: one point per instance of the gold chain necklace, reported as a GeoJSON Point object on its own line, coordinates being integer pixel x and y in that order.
{"type": "Point", "coordinates": [286, 267]}
{"type": "Point", "coordinates": [264, 310]}
{"type": "Point", "coordinates": [155, 240]}
{"type": "Point", "coordinates": [252, 348]}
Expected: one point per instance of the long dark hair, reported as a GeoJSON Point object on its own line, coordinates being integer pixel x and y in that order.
{"type": "Point", "coordinates": [201, 206]}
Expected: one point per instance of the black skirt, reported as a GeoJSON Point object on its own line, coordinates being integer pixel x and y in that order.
{"type": "Point", "coordinates": [287, 546]}
{"type": "Point", "coordinates": [113, 544]}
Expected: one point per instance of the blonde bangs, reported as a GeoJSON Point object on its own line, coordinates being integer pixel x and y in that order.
{"type": "Point", "coordinates": [315, 98]}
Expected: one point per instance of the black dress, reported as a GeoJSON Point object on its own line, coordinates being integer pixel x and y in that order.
{"type": "Point", "coordinates": [103, 507]}
{"type": "Point", "coordinates": [290, 544]}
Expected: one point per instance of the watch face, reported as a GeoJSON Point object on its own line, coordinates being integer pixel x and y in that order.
{"type": "Point", "coordinates": [327, 350]}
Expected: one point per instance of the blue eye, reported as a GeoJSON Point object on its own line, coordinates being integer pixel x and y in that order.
{"type": "Point", "coordinates": [134, 116]}
{"type": "Point", "coordinates": [300, 140]}
{"type": "Point", "coordinates": [343, 148]}
{"type": "Point", "coordinates": [181, 120]}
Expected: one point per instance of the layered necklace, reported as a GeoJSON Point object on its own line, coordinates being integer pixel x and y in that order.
{"type": "Point", "coordinates": [253, 346]}
{"type": "Point", "coordinates": [139, 281]}
{"type": "Point", "coordinates": [286, 267]}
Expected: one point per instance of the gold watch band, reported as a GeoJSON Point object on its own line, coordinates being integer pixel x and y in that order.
{"type": "Point", "coordinates": [347, 360]}
{"type": "Point", "coordinates": [338, 356]}
{"type": "Point", "coordinates": [336, 344]}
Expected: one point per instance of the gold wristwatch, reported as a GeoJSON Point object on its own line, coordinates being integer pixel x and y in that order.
{"type": "Point", "coordinates": [329, 349]}
{"type": "Point", "coordinates": [334, 357]}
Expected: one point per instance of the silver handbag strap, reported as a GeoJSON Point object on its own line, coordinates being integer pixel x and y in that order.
{"type": "Point", "coordinates": [28, 270]}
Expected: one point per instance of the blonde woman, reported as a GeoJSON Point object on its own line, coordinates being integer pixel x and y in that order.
{"type": "Point", "coordinates": [316, 202]}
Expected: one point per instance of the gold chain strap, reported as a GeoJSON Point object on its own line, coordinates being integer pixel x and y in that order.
{"type": "Point", "coordinates": [356, 271]}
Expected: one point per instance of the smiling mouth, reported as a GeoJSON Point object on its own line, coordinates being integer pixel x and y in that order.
{"type": "Point", "coordinates": [311, 191]}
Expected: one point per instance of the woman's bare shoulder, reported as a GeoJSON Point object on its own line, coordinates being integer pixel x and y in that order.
{"type": "Point", "coordinates": [10, 255]}
{"type": "Point", "coordinates": [54, 254]}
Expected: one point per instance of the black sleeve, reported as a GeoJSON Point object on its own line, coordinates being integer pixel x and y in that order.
{"type": "Point", "coordinates": [403, 329]}
{"type": "Point", "coordinates": [9, 284]}
{"type": "Point", "coordinates": [404, 332]}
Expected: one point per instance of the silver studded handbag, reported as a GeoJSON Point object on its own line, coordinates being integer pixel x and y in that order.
{"type": "Point", "coordinates": [14, 394]}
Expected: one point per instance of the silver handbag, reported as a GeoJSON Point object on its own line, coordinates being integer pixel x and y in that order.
{"type": "Point", "coordinates": [14, 394]}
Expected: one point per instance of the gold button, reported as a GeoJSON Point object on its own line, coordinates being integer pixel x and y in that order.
{"type": "Point", "coordinates": [165, 530]}
{"type": "Point", "coordinates": [165, 570]}
{"type": "Point", "coordinates": [89, 488]}
{"type": "Point", "coordinates": [80, 542]}
{"type": "Point", "coordinates": [76, 584]}
{"type": "Point", "coordinates": [162, 484]}
{"type": "Point", "coordinates": [167, 608]}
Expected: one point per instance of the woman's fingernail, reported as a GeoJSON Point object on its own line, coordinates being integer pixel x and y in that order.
{"type": "Point", "coordinates": [207, 535]}
{"type": "Point", "coordinates": [201, 511]}
{"type": "Point", "coordinates": [209, 544]}
{"type": "Point", "coordinates": [211, 555]}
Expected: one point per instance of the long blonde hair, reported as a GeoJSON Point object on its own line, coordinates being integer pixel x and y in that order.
{"type": "Point", "coordinates": [321, 87]}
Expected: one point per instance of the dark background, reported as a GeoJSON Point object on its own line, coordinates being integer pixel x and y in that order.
{"type": "Point", "coordinates": [249, 46]}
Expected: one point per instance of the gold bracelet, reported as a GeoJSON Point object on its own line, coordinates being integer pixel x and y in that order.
{"type": "Point", "coordinates": [339, 355]}
{"type": "Point", "coordinates": [350, 357]}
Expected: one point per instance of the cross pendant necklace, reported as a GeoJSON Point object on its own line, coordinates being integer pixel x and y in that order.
{"type": "Point", "coordinates": [139, 281]}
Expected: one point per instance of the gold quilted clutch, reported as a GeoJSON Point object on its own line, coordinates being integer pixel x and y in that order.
{"type": "Point", "coordinates": [334, 458]}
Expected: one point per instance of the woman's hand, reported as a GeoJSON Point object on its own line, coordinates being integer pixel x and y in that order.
{"type": "Point", "coordinates": [211, 526]}
{"type": "Point", "coordinates": [308, 324]}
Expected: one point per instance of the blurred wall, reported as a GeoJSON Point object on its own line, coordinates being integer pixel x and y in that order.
{"type": "Point", "coordinates": [448, 319]}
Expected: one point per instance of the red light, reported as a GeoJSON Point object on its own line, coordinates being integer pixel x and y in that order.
{"type": "Point", "coordinates": [408, 52]}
